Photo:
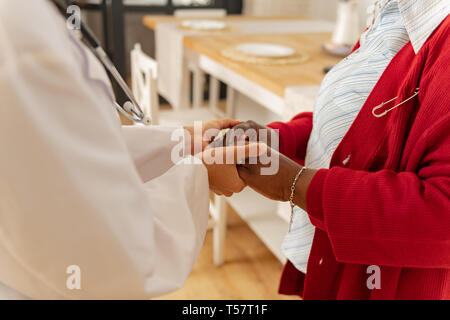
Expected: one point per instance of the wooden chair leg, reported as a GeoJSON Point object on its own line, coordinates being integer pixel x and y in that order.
{"type": "Point", "coordinates": [220, 229]}
{"type": "Point", "coordinates": [185, 96]}
{"type": "Point", "coordinates": [214, 92]}
{"type": "Point", "coordinates": [231, 102]}
{"type": "Point", "coordinates": [199, 86]}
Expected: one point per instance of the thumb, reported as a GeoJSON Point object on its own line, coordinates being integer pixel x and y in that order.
{"type": "Point", "coordinates": [251, 150]}
{"type": "Point", "coordinates": [227, 123]}
{"type": "Point", "coordinates": [234, 154]}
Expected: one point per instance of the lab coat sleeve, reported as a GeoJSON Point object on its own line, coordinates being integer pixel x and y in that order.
{"type": "Point", "coordinates": [153, 159]}
{"type": "Point", "coordinates": [71, 192]}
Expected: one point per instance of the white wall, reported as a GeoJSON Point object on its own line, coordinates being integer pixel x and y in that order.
{"type": "Point", "coordinates": [277, 7]}
{"type": "Point", "coordinates": [319, 9]}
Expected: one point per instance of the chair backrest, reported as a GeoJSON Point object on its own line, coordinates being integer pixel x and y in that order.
{"type": "Point", "coordinates": [200, 13]}
{"type": "Point", "coordinates": [144, 79]}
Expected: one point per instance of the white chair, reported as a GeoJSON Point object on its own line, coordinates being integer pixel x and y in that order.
{"type": "Point", "coordinates": [200, 13]}
{"type": "Point", "coordinates": [198, 84]}
{"type": "Point", "coordinates": [144, 75]}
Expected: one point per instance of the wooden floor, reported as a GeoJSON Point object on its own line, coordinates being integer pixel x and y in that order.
{"type": "Point", "coordinates": [250, 271]}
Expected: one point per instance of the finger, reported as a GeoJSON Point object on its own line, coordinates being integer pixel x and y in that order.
{"type": "Point", "coordinates": [228, 194]}
{"type": "Point", "coordinates": [237, 134]}
{"type": "Point", "coordinates": [238, 184]}
{"type": "Point", "coordinates": [243, 152]}
{"type": "Point", "coordinates": [240, 187]}
{"type": "Point", "coordinates": [226, 123]}
{"type": "Point", "coordinates": [217, 142]}
{"type": "Point", "coordinates": [243, 173]}
{"type": "Point", "coordinates": [233, 155]}
{"type": "Point", "coordinates": [211, 134]}
{"type": "Point", "coordinates": [250, 177]}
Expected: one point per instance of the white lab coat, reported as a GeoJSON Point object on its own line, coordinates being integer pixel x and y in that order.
{"type": "Point", "coordinates": [75, 187]}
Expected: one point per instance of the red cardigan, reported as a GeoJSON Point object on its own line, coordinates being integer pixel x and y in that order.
{"type": "Point", "coordinates": [385, 199]}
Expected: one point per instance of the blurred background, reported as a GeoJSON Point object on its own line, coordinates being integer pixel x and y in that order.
{"type": "Point", "coordinates": [135, 10]}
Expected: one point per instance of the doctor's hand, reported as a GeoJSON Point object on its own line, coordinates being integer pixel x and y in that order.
{"type": "Point", "coordinates": [221, 164]}
{"type": "Point", "coordinates": [276, 184]}
{"type": "Point", "coordinates": [198, 138]}
{"type": "Point", "coordinates": [248, 131]}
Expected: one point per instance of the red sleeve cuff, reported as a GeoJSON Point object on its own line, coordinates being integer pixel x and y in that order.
{"type": "Point", "coordinates": [314, 199]}
{"type": "Point", "coordinates": [368, 223]}
{"type": "Point", "coordinates": [294, 136]}
{"type": "Point", "coordinates": [285, 134]}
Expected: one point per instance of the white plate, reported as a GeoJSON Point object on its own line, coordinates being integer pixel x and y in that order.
{"type": "Point", "coordinates": [265, 50]}
{"type": "Point", "coordinates": [204, 24]}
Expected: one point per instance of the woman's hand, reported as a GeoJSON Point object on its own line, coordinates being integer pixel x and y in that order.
{"type": "Point", "coordinates": [277, 186]}
{"type": "Point", "coordinates": [221, 165]}
{"type": "Point", "coordinates": [197, 139]}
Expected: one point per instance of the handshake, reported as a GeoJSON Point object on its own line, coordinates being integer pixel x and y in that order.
{"type": "Point", "coordinates": [247, 155]}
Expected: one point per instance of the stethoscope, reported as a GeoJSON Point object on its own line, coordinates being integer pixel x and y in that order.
{"type": "Point", "coordinates": [130, 109]}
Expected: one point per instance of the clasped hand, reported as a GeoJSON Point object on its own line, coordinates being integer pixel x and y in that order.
{"type": "Point", "coordinates": [243, 158]}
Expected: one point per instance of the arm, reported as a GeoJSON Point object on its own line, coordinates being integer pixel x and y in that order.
{"type": "Point", "coordinates": [386, 218]}
{"type": "Point", "coordinates": [72, 194]}
{"type": "Point", "coordinates": [152, 159]}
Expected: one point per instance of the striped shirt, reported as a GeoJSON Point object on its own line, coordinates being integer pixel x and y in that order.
{"type": "Point", "coordinates": [347, 86]}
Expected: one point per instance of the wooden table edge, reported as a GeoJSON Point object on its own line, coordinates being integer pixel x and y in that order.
{"type": "Point", "coordinates": [280, 91]}
{"type": "Point", "coordinates": [150, 22]}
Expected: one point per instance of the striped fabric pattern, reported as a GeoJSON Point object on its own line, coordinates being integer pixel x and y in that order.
{"type": "Point", "coordinates": [348, 85]}
{"type": "Point", "coordinates": [421, 17]}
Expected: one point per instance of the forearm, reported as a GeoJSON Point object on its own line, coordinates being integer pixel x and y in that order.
{"type": "Point", "coordinates": [383, 217]}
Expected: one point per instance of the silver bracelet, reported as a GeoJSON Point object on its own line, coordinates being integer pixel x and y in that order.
{"type": "Point", "coordinates": [291, 199]}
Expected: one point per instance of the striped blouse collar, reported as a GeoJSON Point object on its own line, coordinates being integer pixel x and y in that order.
{"type": "Point", "coordinates": [421, 18]}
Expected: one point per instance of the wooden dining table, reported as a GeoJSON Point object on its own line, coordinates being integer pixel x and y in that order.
{"type": "Point", "coordinates": [170, 35]}
{"type": "Point", "coordinates": [265, 84]}
{"type": "Point", "coordinates": [152, 21]}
